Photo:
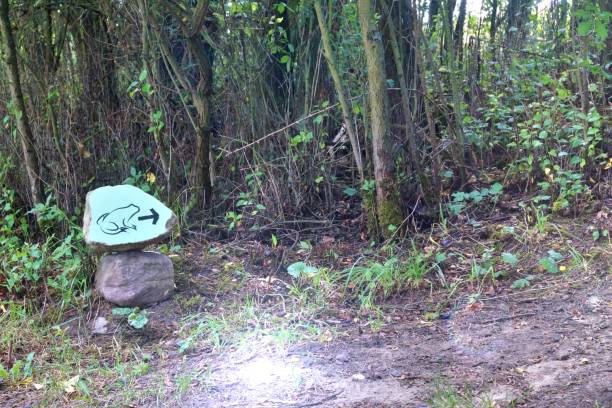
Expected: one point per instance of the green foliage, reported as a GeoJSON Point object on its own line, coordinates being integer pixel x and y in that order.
{"type": "Point", "coordinates": [136, 317]}
{"type": "Point", "coordinates": [59, 262]}
{"type": "Point", "coordinates": [143, 180]}
{"type": "Point", "coordinates": [549, 263]}
{"type": "Point", "coordinates": [461, 200]}
{"type": "Point", "coordinates": [509, 258]}
{"type": "Point", "coordinates": [20, 372]}
{"type": "Point", "coordinates": [522, 282]}
{"type": "Point", "coordinates": [376, 281]}
{"type": "Point", "coordinates": [233, 218]}
{"type": "Point", "coordinates": [141, 85]}
{"type": "Point", "coordinates": [299, 270]}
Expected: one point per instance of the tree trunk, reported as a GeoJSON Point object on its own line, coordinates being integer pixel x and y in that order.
{"type": "Point", "coordinates": [23, 123]}
{"type": "Point", "coordinates": [347, 115]}
{"type": "Point", "coordinates": [434, 8]}
{"type": "Point", "coordinates": [150, 64]}
{"type": "Point", "coordinates": [407, 110]}
{"type": "Point", "coordinates": [202, 54]}
{"type": "Point", "coordinates": [493, 30]}
{"type": "Point", "coordinates": [388, 208]}
{"type": "Point", "coordinates": [458, 38]}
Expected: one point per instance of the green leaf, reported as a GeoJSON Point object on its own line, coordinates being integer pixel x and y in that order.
{"type": "Point", "coordinates": [4, 374]}
{"type": "Point", "coordinates": [298, 269]}
{"type": "Point", "coordinates": [138, 318]}
{"type": "Point", "coordinates": [601, 30]}
{"type": "Point", "coordinates": [146, 89]}
{"type": "Point", "coordinates": [305, 245]}
{"type": "Point", "coordinates": [274, 240]}
{"type": "Point", "coordinates": [584, 28]}
{"type": "Point", "coordinates": [440, 257]}
{"type": "Point", "coordinates": [143, 75]}
{"type": "Point", "coordinates": [122, 311]}
{"type": "Point", "coordinates": [284, 59]}
{"type": "Point", "coordinates": [350, 191]}
{"type": "Point", "coordinates": [509, 258]}
{"type": "Point", "coordinates": [555, 255]}
{"type": "Point", "coordinates": [549, 264]}
{"type": "Point", "coordinates": [520, 283]}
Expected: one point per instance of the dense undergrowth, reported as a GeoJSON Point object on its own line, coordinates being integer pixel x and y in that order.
{"type": "Point", "coordinates": [537, 144]}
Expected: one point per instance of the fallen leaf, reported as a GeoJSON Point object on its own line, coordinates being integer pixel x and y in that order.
{"type": "Point", "coordinates": [70, 384]}
{"type": "Point", "coordinates": [474, 307]}
{"type": "Point", "coordinates": [326, 337]}
{"type": "Point", "coordinates": [328, 240]}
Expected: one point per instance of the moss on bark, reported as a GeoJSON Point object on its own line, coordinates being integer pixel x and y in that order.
{"type": "Point", "coordinates": [389, 213]}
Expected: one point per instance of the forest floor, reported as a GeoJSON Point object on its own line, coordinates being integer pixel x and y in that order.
{"type": "Point", "coordinates": [238, 333]}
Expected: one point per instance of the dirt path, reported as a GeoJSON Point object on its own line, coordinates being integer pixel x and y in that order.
{"type": "Point", "coordinates": [240, 332]}
{"type": "Point", "coordinates": [538, 348]}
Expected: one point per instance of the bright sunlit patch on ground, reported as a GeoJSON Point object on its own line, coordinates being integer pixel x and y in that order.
{"type": "Point", "coordinates": [268, 370]}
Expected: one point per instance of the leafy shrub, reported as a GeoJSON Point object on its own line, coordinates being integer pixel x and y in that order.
{"type": "Point", "coordinates": [57, 263]}
{"type": "Point", "coordinates": [461, 200]}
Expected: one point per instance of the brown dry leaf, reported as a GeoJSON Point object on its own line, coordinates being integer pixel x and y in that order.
{"type": "Point", "coordinates": [474, 307]}
{"type": "Point", "coordinates": [326, 240]}
{"type": "Point", "coordinates": [601, 215]}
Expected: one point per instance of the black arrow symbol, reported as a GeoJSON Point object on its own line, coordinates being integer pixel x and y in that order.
{"type": "Point", "coordinates": [154, 216]}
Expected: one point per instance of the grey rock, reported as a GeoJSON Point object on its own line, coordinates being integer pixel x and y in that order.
{"type": "Point", "coordinates": [500, 396]}
{"type": "Point", "coordinates": [394, 372]}
{"type": "Point", "coordinates": [99, 326]}
{"type": "Point", "coordinates": [135, 278]}
{"type": "Point", "coordinates": [342, 358]}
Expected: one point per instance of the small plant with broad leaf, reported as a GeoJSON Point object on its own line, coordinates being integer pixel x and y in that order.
{"type": "Point", "coordinates": [19, 373]}
{"type": "Point", "coordinates": [300, 270]}
{"type": "Point", "coordinates": [136, 317]}
{"type": "Point", "coordinates": [550, 262]}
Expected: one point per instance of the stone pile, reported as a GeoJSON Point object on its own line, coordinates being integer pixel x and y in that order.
{"type": "Point", "coordinates": [120, 221]}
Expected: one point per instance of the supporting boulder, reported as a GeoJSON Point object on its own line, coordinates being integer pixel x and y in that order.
{"type": "Point", "coordinates": [135, 278]}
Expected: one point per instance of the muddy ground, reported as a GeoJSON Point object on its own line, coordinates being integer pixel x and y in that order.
{"type": "Point", "coordinates": [546, 345]}
{"type": "Point", "coordinates": [549, 347]}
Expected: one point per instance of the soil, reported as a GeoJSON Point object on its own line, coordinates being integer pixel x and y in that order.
{"type": "Point", "coordinates": [541, 348]}
{"type": "Point", "coordinates": [548, 345]}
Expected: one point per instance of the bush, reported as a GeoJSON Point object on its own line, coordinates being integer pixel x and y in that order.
{"type": "Point", "coordinates": [54, 264]}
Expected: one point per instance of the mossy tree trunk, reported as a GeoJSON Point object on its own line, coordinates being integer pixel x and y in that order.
{"type": "Point", "coordinates": [388, 207]}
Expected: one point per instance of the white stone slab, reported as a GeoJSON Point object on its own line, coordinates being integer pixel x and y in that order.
{"type": "Point", "coordinates": [120, 218]}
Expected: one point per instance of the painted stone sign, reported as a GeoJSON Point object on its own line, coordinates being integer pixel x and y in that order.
{"type": "Point", "coordinates": [120, 218]}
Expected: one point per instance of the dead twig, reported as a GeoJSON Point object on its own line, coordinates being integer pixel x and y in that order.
{"type": "Point", "coordinates": [307, 404]}
{"type": "Point", "coordinates": [501, 319]}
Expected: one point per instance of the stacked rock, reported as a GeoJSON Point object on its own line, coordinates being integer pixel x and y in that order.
{"type": "Point", "coordinates": [121, 221]}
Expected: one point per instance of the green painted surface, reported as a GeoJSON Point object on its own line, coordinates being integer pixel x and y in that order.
{"type": "Point", "coordinates": [119, 215]}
